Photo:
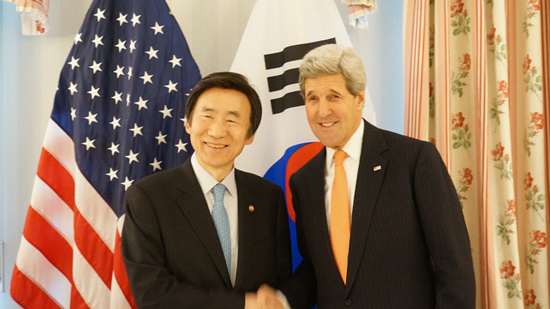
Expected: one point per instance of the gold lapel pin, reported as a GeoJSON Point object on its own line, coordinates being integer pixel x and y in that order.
{"type": "Point", "coordinates": [377, 168]}
{"type": "Point", "coordinates": [251, 208]}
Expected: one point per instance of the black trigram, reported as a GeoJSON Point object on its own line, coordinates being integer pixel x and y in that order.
{"type": "Point", "coordinates": [289, 76]}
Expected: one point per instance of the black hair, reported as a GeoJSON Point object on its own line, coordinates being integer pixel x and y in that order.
{"type": "Point", "coordinates": [227, 80]}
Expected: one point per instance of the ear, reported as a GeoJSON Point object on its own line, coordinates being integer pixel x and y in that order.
{"type": "Point", "coordinates": [187, 126]}
{"type": "Point", "coordinates": [361, 100]}
{"type": "Point", "coordinates": [249, 140]}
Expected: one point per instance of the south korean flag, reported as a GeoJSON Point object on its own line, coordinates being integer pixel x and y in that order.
{"type": "Point", "coordinates": [278, 35]}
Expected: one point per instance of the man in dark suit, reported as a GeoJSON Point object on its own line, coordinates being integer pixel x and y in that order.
{"type": "Point", "coordinates": [378, 220]}
{"type": "Point", "coordinates": [204, 234]}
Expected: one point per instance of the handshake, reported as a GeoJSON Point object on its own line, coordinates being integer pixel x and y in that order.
{"type": "Point", "coordinates": [264, 298]}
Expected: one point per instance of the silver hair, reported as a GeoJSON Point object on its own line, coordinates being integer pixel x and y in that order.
{"type": "Point", "coordinates": [333, 59]}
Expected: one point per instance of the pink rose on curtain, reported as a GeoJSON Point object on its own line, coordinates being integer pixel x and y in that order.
{"type": "Point", "coordinates": [530, 297]}
{"type": "Point", "coordinates": [507, 269]}
{"type": "Point", "coordinates": [535, 126]}
{"type": "Point", "coordinates": [467, 176]}
{"type": "Point", "coordinates": [533, 196]}
{"type": "Point", "coordinates": [456, 7]}
{"type": "Point", "coordinates": [537, 120]}
{"type": "Point", "coordinates": [496, 45]}
{"type": "Point", "coordinates": [506, 222]}
{"type": "Point", "coordinates": [497, 152]}
{"type": "Point", "coordinates": [512, 208]}
{"type": "Point", "coordinates": [530, 300]}
{"type": "Point", "coordinates": [457, 78]}
{"type": "Point", "coordinates": [532, 78]}
{"type": "Point", "coordinates": [503, 162]}
{"type": "Point", "coordinates": [499, 101]}
{"type": "Point", "coordinates": [538, 242]}
{"type": "Point", "coordinates": [540, 239]}
{"type": "Point", "coordinates": [491, 37]}
{"type": "Point", "coordinates": [528, 181]}
{"type": "Point", "coordinates": [459, 18]}
{"type": "Point", "coordinates": [503, 88]}
{"type": "Point", "coordinates": [512, 283]}
{"type": "Point", "coordinates": [526, 64]}
{"type": "Point", "coordinates": [461, 132]}
{"type": "Point", "coordinates": [464, 184]}
{"type": "Point", "coordinates": [533, 7]}
{"type": "Point", "coordinates": [466, 62]}
{"type": "Point", "coordinates": [458, 120]}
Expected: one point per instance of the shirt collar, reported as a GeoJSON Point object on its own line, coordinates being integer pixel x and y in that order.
{"type": "Point", "coordinates": [352, 147]}
{"type": "Point", "coordinates": [207, 182]}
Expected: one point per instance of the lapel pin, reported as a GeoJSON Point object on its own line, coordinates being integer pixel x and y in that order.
{"type": "Point", "coordinates": [377, 168]}
{"type": "Point", "coordinates": [251, 208]}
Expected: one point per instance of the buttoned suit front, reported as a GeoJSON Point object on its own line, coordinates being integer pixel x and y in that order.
{"type": "Point", "coordinates": [409, 246]}
{"type": "Point", "coordinates": [172, 251]}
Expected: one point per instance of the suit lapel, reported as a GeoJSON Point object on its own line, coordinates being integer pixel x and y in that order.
{"type": "Point", "coordinates": [372, 168]}
{"type": "Point", "coordinates": [247, 225]}
{"type": "Point", "coordinates": [194, 207]}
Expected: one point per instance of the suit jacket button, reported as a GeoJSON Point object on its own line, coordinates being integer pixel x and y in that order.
{"type": "Point", "coordinates": [348, 302]}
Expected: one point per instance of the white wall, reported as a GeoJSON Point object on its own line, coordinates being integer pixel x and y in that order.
{"type": "Point", "coordinates": [30, 66]}
{"type": "Point", "coordinates": [29, 70]}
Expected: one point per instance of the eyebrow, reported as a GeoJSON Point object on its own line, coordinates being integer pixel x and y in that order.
{"type": "Point", "coordinates": [207, 109]}
{"type": "Point", "coordinates": [235, 113]}
{"type": "Point", "coordinates": [331, 90]}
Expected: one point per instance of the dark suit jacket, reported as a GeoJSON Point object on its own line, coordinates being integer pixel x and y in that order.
{"type": "Point", "coordinates": [409, 246]}
{"type": "Point", "coordinates": [173, 254]}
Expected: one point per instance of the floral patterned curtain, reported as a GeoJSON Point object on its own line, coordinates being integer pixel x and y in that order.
{"type": "Point", "coordinates": [476, 85]}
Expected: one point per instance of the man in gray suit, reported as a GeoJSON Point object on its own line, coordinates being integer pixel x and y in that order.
{"type": "Point", "coordinates": [204, 234]}
{"type": "Point", "coordinates": [378, 220]}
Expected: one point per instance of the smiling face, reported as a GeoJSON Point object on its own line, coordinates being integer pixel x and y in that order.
{"type": "Point", "coordinates": [218, 128]}
{"type": "Point", "coordinates": [333, 113]}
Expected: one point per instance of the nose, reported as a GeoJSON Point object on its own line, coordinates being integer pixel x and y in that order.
{"type": "Point", "coordinates": [217, 128]}
{"type": "Point", "coordinates": [324, 108]}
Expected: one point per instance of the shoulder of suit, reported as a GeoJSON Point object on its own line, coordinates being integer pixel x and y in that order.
{"type": "Point", "coordinates": [400, 141]}
{"type": "Point", "coordinates": [162, 178]}
{"type": "Point", "coordinates": [255, 180]}
{"type": "Point", "coordinates": [408, 149]}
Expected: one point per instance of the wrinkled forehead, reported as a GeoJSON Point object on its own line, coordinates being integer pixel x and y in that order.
{"type": "Point", "coordinates": [325, 83]}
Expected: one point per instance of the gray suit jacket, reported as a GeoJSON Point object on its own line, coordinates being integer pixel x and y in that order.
{"type": "Point", "coordinates": [409, 245]}
{"type": "Point", "coordinates": [171, 250]}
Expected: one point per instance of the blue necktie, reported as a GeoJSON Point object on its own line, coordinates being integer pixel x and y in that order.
{"type": "Point", "coordinates": [221, 221]}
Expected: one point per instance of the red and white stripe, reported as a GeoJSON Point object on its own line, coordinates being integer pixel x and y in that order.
{"type": "Point", "coordinates": [69, 255]}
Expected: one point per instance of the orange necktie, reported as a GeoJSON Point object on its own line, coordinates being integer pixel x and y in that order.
{"type": "Point", "coordinates": [340, 216]}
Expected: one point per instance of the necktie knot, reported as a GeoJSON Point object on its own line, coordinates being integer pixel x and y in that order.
{"type": "Point", "coordinates": [219, 191]}
{"type": "Point", "coordinates": [339, 157]}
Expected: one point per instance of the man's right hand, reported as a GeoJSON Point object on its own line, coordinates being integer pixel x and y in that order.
{"type": "Point", "coordinates": [267, 298]}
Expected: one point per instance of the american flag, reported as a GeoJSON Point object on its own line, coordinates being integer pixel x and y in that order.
{"type": "Point", "coordinates": [118, 115]}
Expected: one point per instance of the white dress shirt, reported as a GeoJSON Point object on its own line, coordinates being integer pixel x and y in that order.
{"type": "Point", "coordinates": [230, 202]}
{"type": "Point", "coordinates": [351, 165]}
